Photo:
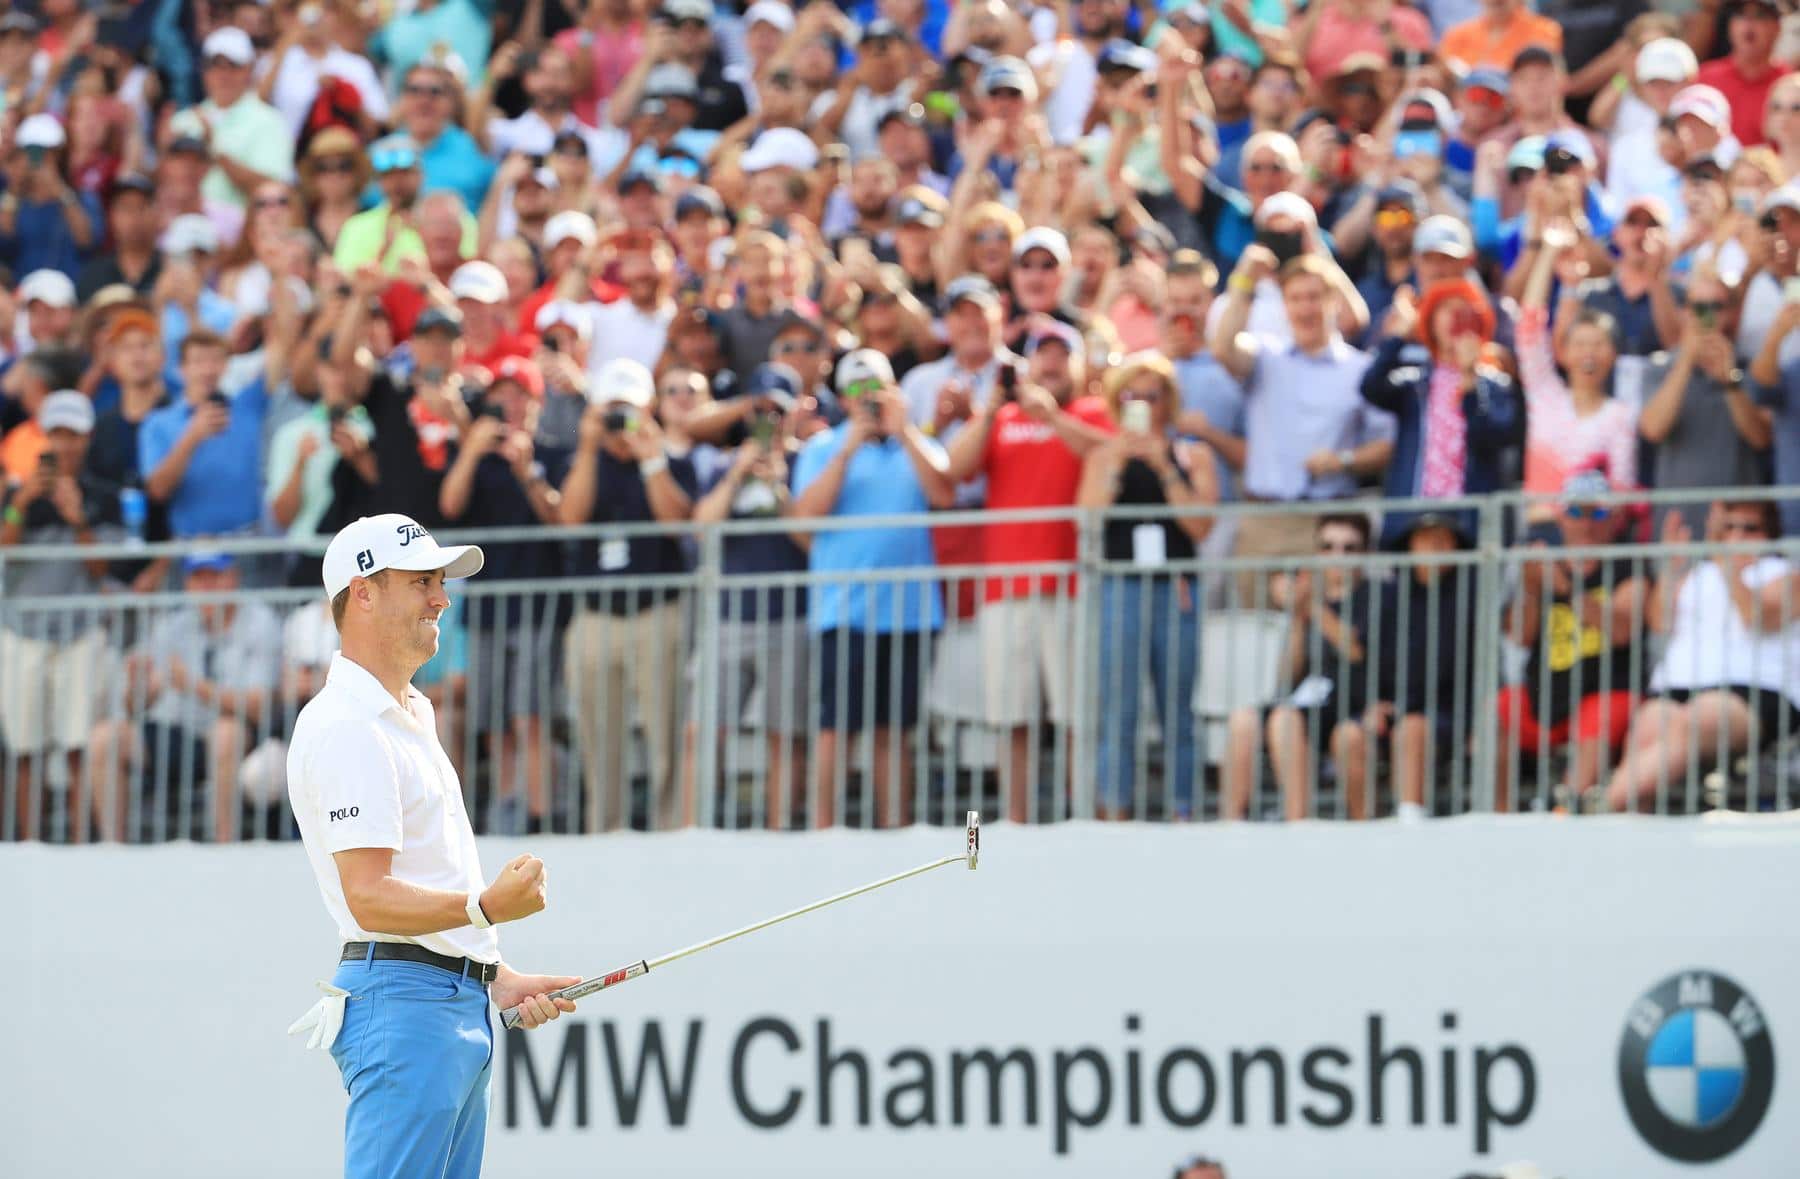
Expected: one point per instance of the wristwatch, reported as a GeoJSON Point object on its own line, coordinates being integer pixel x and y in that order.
{"type": "Point", "coordinates": [1346, 459]}
{"type": "Point", "coordinates": [477, 915]}
{"type": "Point", "coordinates": [1734, 379]}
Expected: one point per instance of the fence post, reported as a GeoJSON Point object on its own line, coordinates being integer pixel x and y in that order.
{"type": "Point", "coordinates": [706, 673]}
{"type": "Point", "coordinates": [1084, 699]}
{"type": "Point", "coordinates": [1484, 692]}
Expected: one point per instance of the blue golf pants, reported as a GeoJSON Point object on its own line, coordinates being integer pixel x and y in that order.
{"type": "Point", "coordinates": [416, 1053]}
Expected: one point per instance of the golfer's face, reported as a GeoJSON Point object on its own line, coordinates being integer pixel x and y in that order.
{"type": "Point", "coordinates": [409, 607]}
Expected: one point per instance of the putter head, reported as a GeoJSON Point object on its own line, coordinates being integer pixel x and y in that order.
{"type": "Point", "coordinates": [973, 852]}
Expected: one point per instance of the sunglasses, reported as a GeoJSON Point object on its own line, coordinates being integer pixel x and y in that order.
{"type": "Point", "coordinates": [793, 346]}
{"type": "Point", "coordinates": [1706, 308]}
{"type": "Point", "coordinates": [1484, 97]}
{"type": "Point", "coordinates": [690, 23]}
{"type": "Point", "coordinates": [1395, 219]}
{"type": "Point", "coordinates": [426, 91]}
{"type": "Point", "coordinates": [1521, 175]}
{"type": "Point", "coordinates": [335, 166]}
{"type": "Point", "coordinates": [1642, 221]}
{"type": "Point", "coordinates": [1705, 173]}
{"type": "Point", "coordinates": [990, 236]}
{"type": "Point", "coordinates": [1576, 512]}
{"type": "Point", "coordinates": [867, 387]}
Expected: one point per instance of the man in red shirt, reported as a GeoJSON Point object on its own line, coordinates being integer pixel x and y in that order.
{"type": "Point", "coordinates": [1746, 76]}
{"type": "Point", "coordinates": [481, 292]}
{"type": "Point", "coordinates": [1029, 440]}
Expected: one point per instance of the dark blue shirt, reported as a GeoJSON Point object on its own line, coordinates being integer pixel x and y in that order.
{"type": "Point", "coordinates": [41, 238]}
{"type": "Point", "coordinates": [760, 554]}
{"type": "Point", "coordinates": [621, 498]}
{"type": "Point", "coordinates": [498, 501]}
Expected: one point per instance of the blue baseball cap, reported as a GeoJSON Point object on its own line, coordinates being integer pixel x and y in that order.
{"type": "Point", "coordinates": [208, 559]}
{"type": "Point", "coordinates": [393, 155]}
{"type": "Point", "coordinates": [777, 382]}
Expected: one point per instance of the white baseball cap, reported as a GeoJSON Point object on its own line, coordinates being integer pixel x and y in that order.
{"type": "Point", "coordinates": [231, 43]}
{"type": "Point", "coordinates": [771, 12]}
{"type": "Point", "coordinates": [562, 311]}
{"type": "Point", "coordinates": [864, 364]}
{"type": "Point", "coordinates": [1286, 204]}
{"type": "Point", "coordinates": [780, 147]}
{"type": "Point", "coordinates": [66, 409]}
{"type": "Point", "coordinates": [1666, 60]}
{"type": "Point", "coordinates": [1042, 237]}
{"type": "Point", "coordinates": [623, 380]}
{"type": "Point", "coordinates": [40, 131]}
{"type": "Point", "coordinates": [392, 541]}
{"type": "Point", "coordinates": [50, 287]}
{"type": "Point", "coordinates": [480, 282]}
{"type": "Point", "coordinates": [570, 223]}
{"type": "Point", "coordinates": [1705, 103]}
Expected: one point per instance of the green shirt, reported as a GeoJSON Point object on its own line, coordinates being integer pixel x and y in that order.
{"type": "Point", "coordinates": [360, 240]}
{"type": "Point", "coordinates": [252, 133]}
{"type": "Point", "coordinates": [315, 482]}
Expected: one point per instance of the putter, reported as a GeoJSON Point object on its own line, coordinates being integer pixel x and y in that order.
{"type": "Point", "coordinates": [969, 855]}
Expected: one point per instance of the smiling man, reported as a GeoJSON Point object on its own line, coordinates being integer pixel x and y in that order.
{"type": "Point", "coordinates": [381, 814]}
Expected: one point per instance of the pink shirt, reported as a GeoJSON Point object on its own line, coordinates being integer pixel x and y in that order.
{"type": "Point", "coordinates": [1559, 441]}
{"type": "Point", "coordinates": [1338, 36]}
{"type": "Point", "coordinates": [610, 55]}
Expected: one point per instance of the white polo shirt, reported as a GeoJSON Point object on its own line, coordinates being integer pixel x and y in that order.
{"type": "Point", "coordinates": [364, 772]}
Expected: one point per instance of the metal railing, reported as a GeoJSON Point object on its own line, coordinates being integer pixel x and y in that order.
{"type": "Point", "coordinates": [1302, 684]}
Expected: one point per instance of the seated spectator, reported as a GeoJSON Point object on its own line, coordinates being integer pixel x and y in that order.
{"type": "Point", "coordinates": [1324, 664]}
{"type": "Point", "coordinates": [200, 691]}
{"type": "Point", "coordinates": [1029, 442]}
{"type": "Point", "coordinates": [495, 481]}
{"type": "Point", "coordinates": [626, 640]}
{"type": "Point", "coordinates": [53, 664]}
{"type": "Point", "coordinates": [764, 644]}
{"type": "Point", "coordinates": [1573, 424]}
{"type": "Point", "coordinates": [44, 223]}
{"type": "Point", "coordinates": [1581, 619]}
{"type": "Point", "coordinates": [1423, 685]}
{"type": "Point", "coordinates": [1726, 681]}
{"type": "Point", "coordinates": [201, 456]}
{"type": "Point", "coordinates": [1457, 416]}
{"type": "Point", "coordinates": [876, 462]}
{"type": "Point", "coordinates": [1155, 612]}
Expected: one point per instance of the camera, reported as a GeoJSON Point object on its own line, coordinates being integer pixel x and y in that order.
{"type": "Point", "coordinates": [763, 427]}
{"type": "Point", "coordinates": [1286, 245]}
{"type": "Point", "coordinates": [1008, 382]}
{"type": "Point", "coordinates": [48, 463]}
{"type": "Point", "coordinates": [219, 399]}
{"type": "Point", "coordinates": [335, 414]}
{"type": "Point", "coordinates": [616, 421]}
{"type": "Point", "coordinates": [488, 409]}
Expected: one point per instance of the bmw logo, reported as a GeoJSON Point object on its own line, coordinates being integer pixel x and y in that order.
{"type": "Point", "coordinates": [1696, 1066]}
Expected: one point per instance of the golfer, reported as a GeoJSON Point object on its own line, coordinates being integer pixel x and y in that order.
{"type": "Point", "coordinates": [382, 817]}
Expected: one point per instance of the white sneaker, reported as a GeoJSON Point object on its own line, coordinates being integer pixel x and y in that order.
{"type": "Point", "coordinates": [1410, 812]}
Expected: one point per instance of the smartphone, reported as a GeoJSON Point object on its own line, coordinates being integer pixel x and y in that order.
{"type": "Point", "coordinates": [762, 429]}
{"type": "Point", "coordinates": [1008, 381]}
{"type": "Point", "coordinates": [1706, 317]}
{"type": "Point", "coordinates": [488, 409]}
{"type": "Point", "coordinates": [335, 414]}
{"type": "Point", "coordinates": [47, 462]}
{"type": "Point", "coordinates": [552, 344]}
{"type": "Point", "coordinates": [1135, 417]}
{"type": "Point", "coordinates": [34, 155]}
{"type": "Point", "coordinates": [1285, 245]}
{"type": "Point", "coordinates": [219, 399]}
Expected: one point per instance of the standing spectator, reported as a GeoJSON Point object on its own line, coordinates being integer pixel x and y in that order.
{"type": "Point", "coordinates": [549, 85]}
{"type": "Point", "coordinates": [1212, 400]}
{"type": "Point", "coordinates": [1150, 620]}
{"type": "Point", "coordinates": [1388, 264]}
{"type": "Point", "coordinates": [1696, 444]}
{"type": "Point", "coordinates": [53, 664]}
{"type": "Point", "coordinates": [495, 481]}
{"type": "Point", "coordinates": [636, 326]}
{"type": "Point", "coordinates": [1574, 422]}
{"type": "Point", "coordinates": [1069, 65]}
{"type": "Point", "coordinates": [249, 141]}
{"type": "Point", "coordinates": [1458, 418]}
{"type": "Point", "coordinates": [48, 298]}
{"type": "Point", "coordinates": [1325, 664]}
{"type": "Point", "coordinates": [1504, 29]}
{"type": "Point", "coordinates": [1663, 69]}
{"type": "Point", "coordinates": [606, 42]}
{"type": "Point", "coordinates": [1777, 389]}
{"type": "Point", "coordinates": [131, 256]}
{"type": "Point", "coordinates": [200, 687]}
{"type": "Point", "coordinates": [1580, 619]}
{"type": "Point", "coordinates": [1781, 124]}
{"type": "Point", "coordinates": [304, 453]}
{"type": "Point", "coordinates": [385, 234]}
{"type": "Point", "coordinates": [681, 34]}
{"type": "Point", "coordinates": [749, 325]}
{"type": "Point", "coordinates": [763, 643]}
{"type": "Point", "coordinates": [1330, 31]}
{"type": "Point", "coordinates": [447, 156]}
{"type": "Point", "coordinates": [1309, 436]}
{"type": "Point", "coordinates": [875, 462]}
{"type": "Point", "coordinates": [308, 56]}
{"type": "Point", "coordinates": [44, 223]}
{"type": "Point", "coordinates": [1726, 680]}
{"type": "Point", "coordinates": [333, 175]}
{"type": "Point", "coordinates": [627, 640]}
{"type": "Point", "coordinates": [202, 455]}
{"type": "Point", "coordinates": [1029, 442]}
{"type": "Point", "coordinates": [1638, 294]}
{"type": "Point", "coordinates": [1747, 74]}
{"type": "Point", "coordinates": [882, 80]}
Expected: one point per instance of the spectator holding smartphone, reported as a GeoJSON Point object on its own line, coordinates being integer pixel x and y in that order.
{"type": "Point", "coordinates": [44, 223]}
{"type": "Point", "coordinates": [202, 456]}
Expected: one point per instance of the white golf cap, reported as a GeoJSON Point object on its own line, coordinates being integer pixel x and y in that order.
{"type": "Point", "coordinates": [864, 364]}
{"type": "Point", "coordinates": [40, 131]}
{"type": "Point", "coordinates": [1042, 237]}
{"type": "Point", "coordinates": [1286, 204]}
{"type": "Point", "coordinates": [231, 43]}
{"type": "Point", "coordinates": [392, 541]}
{"type": "Point", "coordinates": [1443, 234]}
{"type": "Point", "coordinates": [567, 314]}
{"type": "Point", "coordinates": [1666, 60]}
{"type": "Point", "coordinates": [66, 410]}
{"type": "Point", "coordinates": [50, 287]}
{"type": "Point", "coordinates": [479, 282]}
{"type": "Point", "coordinates": [623, 380]}
{"type": "Point", "coordinates": [570, 224]}
{"type": "Point", "coordinates": [770, 12]}
{"type": "Point", "coordinates": [780, 147]}
{"type": "Point", "coordinates": [189, 233]}
{"type": "Point", "coordinates": [1705, 103]}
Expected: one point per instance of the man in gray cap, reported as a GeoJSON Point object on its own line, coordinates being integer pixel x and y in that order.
{"type": "Point", "coordinates": [51, 661]}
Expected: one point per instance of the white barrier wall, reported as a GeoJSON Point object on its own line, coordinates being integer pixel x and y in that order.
{"type": "Point", "coordinates": [1095, 1001]}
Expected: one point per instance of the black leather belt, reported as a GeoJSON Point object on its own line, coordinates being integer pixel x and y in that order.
{"type": "Point", "coordinates": [481, 972]}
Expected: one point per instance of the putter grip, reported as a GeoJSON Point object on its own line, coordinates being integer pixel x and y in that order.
{"type": "Point", "coordinates": [584, 988]}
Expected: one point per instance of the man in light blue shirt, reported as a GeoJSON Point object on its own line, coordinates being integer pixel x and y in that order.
{"type": "Point", "coordinates": [202, 456]}
{"type": "Point", "coordinates": [872, 635]}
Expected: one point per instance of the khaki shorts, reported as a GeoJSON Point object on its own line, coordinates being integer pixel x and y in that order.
{"type": "Point", "coordinates": [48, 690]}
{"type": "Point", "coordinates": [1026, 644]}
{"type": "Point", "coordinates": [954, 688]}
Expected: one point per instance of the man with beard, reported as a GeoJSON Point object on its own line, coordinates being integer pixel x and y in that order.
{"type": "Point", "coordinates": [1070, 65]}
{"type": "Point", "coordinates": [549, 83]}
{"type": "Point", "coordinates": [636, 325]}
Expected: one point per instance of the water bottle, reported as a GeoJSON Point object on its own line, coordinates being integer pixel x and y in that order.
{"type": "Point", "coordinates": [132, 511]}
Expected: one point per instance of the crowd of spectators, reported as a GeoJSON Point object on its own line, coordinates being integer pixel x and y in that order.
{"type": "Point", "coordinates": [268, 266]}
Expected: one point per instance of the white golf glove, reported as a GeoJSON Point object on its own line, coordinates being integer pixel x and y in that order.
{"type": "Point", "coordinates": [324, 1018]}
